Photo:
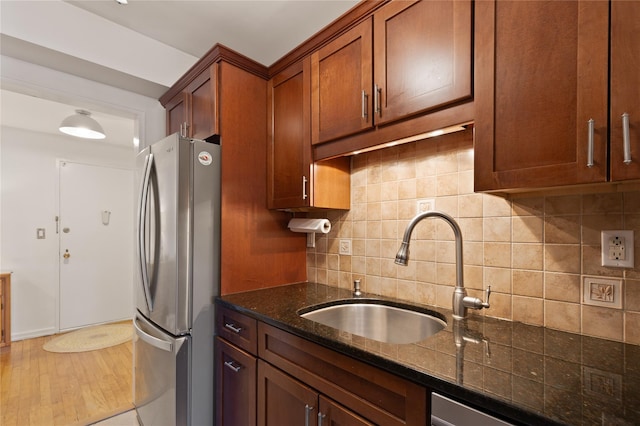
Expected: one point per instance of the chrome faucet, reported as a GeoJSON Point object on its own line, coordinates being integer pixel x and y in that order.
{"type": "Point", "coordinates": [461, 302]}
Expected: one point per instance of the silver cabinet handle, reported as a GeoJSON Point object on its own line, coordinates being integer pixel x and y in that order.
{"type": "Point", "coordinates": [233, 328]}
{"type": "Point", "coordinates": [377, 92]}
{"type": "Point", "coordinates": [142, 214]}
{"type": "Point", "coordinates": [321, 418]}
{"type": "Point", "coordinates": [365, 98]}
{"type": "Point", "coordinates": [591, 130]}
{"type": "Point", "coordinates": [307, 412]}
{"type": "Point", "coordinates": [229, 364]}
{"type": "Point", "coordinates": [626, 139]}
{"type": "Point", "coordinates": [304, 188]}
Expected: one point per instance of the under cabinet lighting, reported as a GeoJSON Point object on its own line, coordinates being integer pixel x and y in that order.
{"type": "Point", "coordinates": [414, 138]}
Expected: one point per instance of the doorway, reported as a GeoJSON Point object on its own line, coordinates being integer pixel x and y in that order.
{"type": "Point", "coordinates": [95, 231]}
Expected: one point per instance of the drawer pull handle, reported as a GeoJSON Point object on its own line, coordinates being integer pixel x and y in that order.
{"type": "Point", "coordinates": [591, 129]}
{"type": "Point", "coordinates": [626, 138]}
{"type": "Point", "coordinates": [321, 418]}
{"type": "Point", "coordinates": [365, 101]}
{"type": "Point", "coordinates": [230, 365]}
{"type": "Point", "coordinates": [233, 328]}
{"type": "Point", "coordinates": [377, 94]}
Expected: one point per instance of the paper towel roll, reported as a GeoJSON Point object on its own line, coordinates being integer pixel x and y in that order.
{"type": "Point", "coordinates": [322, 226]}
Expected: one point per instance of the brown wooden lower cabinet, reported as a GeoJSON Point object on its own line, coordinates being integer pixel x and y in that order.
{"type": "Point", "coordinates": [293, 381]}
{"type": "Point", "coordinates": [236, 385]}
{"type": "Point", "coordinates": [283, 400]}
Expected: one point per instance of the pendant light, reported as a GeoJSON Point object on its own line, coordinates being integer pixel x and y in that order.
{"type": "Point", "coordinates": [82, 125]}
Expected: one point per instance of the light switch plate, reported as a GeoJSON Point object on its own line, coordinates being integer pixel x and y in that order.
{"type": "Point", "coordinates": [617, 248]}
{"type": "Point", "coordinates": [425, 205]}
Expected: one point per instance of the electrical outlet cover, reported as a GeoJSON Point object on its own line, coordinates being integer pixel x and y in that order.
{"type": "Point", "coordinates": [345, 247]}
{"type": "Point", "coordinates": [425, 205]}
{"type": "Point", "coordinates": [617, 248]}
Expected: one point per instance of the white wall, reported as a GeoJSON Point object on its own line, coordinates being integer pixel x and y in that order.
{"type": "Point", "coordinates": [28, 182]}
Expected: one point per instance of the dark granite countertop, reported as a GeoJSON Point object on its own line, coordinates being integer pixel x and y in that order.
{"type": "Point", "coordinates": [533, 375]}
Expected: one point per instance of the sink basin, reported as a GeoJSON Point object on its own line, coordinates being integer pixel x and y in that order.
{"type": "Point", "coordinates": [377, 321]}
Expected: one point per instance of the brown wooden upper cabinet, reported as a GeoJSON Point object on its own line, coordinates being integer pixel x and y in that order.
{"type": "Point", "coordinates": [410, 57]}
{"type": "Point", "coordinates": [542, 78]}
{"type": "Point", "coordinates": [194, 111]}
{"type": "Point", "coordinates": [294, 181]}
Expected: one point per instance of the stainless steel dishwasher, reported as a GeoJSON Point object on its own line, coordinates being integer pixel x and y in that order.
{"type": "Point", "coordinates": [447, 412]}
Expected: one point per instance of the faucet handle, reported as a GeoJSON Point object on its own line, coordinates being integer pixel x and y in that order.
{"type": "Point", "coordinates": [485, 304]}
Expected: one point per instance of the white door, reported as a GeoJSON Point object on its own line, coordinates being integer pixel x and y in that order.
{"type": "Point", "coordinates": [96, 244]}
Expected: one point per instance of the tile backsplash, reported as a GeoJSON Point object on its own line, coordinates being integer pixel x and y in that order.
{"type": "Point", "coordinates": [534, 251]}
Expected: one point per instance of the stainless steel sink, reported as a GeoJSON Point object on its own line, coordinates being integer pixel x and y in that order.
{"type": "Point", "coordinates": [377, 321]}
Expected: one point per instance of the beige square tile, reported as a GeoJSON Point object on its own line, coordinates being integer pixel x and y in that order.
{"type": "Point", "coordinates": [471, 205]}
{"type": "Point", "coordinates": [333, 278]}
{"type": "Point", "coordinates": [426, 272]}
{"type": "Point", "coordinates": [445, 274]}
{"type": "Point", "coordinates": [388, 191]}
{"type": "Point", "coordinates": [346, 280]}
{"type": "Point", "coordinates": [473, 253]}
{"type": "Point", "coordinates": [527, 283]}
{"type": "Point", "coordinates": [527, 229]}
{"type": "Point", "coordinates": [472, 229]}
{"type": "Point", "coordinates": [500, 305]}
{"type": "Point", "coordinates": [527, 256]}
{"type": "Point", "coordinates": [528, 310]}
{"type": "Point", "coordinates": [562, 258]}
{"type": "Point", "coordinates": [563, 287]}
{"type": "Point", "coordinates": [562, 230]}
{"type": "Point", "coordinates": [562, 316]}
{"type": "Point", "coordinates": [632, 296]}
{"type": "Point", "coordinates": [333, 262]}
{"type": "Point", "coordinates": [445, 251]}
{"type": "Point", "coordinates": [389, 210]}
{"type": "Point", "coordinates": [374, 229]}
{"type": "Point", "coordinates": [448, 205]}
{"type": "Point", "coordinates": [374, 193]}
{"type": "Point", "coordinates": [562, 205]}
{"type": "Point", "coordinates": [494, 205]}
{"type": "Point", "coordinates": [602, 203]}
{"type": "Point", "coordinates": [632, 331]}
{"type": "Point", "coordinates": [473, 277]}
{"type": "Point", "coordinates": [405, 272]}
{"type": "Point", "coordinates": [631, 201]}
{"type": "Point", "coordinates": [465, 158]}
{"type": "Point", "coordinates": [447, 160]}
{"type": "Point", "coordinates": [374, 211]}
{"type": "Point", "coordinates": [345, 263]}
{"type": "Point", "coordinates": [443, 296]}
{"type": "Point", "coordinates": [447, 184]}
{"type": "Point", "coordinates": [499, 279]}
{"type": "Point", "coordinates": [358, 265]}
{"type": "Point", "coordinates": [358, 194]}
{"type": "Point", "coordinates": [497, 254]}
{"type": "Point", "coordinates": [372, 248]}
{"type": "Point", "coordinates": [406, 210]}
{"type": "Point", "coordinates": [426, 293]}
{"type": "Point", "coordinates": [358, 229]}
{"type": "Point", "coordinates": [426, 187]}
{"type": "Point", "coordinates": [388, 268]}
{"type": "Point", "coordinates": [602, 322]}
{"type": "Point", "coordinates": [407, 290]}
{"type": "Point", "coordinates": [422, 250]}
{"type": "Point", "coordinates": [497, 229]}
{"type": "Point", "coordinates": [406, 189]}
{"type": "Point", "coordinates": [358, 247]}
{"type": "Point", "coordinates": [321, 276]}
{"type": "Point", "coordinates": [528, 206]}
{"type": "Point", "coordinates": [390, 231]}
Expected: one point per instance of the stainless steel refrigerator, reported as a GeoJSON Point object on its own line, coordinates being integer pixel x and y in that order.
{"type": "Point", "coordinates": [178, 252]}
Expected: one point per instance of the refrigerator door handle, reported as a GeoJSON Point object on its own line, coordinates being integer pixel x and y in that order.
{"type": "Point", "coordinates": [153, 341]}
{"type": "Point", "coordinates": [142, 213]}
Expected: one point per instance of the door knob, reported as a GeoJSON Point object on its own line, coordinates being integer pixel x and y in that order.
{"type": "Point", "coordinates": [66, 254]}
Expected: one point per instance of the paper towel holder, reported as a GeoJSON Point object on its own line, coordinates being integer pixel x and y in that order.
{"type": "Point", "coordinates": [310, 227]}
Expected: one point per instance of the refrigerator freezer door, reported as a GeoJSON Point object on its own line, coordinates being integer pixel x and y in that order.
{"type": "Point", "coordinates": [161, 371]}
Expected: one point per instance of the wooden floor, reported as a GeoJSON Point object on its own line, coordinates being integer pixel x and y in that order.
{"type": "Point", "coordinates": [44, 388]}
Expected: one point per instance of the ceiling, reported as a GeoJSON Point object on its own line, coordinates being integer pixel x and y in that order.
{"type": "Point", "coordinates": [263, 30]}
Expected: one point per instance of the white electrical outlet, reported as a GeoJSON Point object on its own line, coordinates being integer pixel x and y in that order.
{"type": "Point", "coordinates": [425, 205]}
{"type": "Point", "coordinates": [345, 247]}
{"type": "Point", "coordinates": [617, 248]}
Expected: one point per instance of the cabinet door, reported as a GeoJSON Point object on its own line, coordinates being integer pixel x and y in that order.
{"type": "Point", "coordinates": [288, 164]}
{"type": "Point", "coordinates": [422, 57]}
{"type": "Point", "coordinates": [235, 386]}
{"type": "Point", "coordinates": [176, 113]}
{"type": "Point", "coordinates": [625, 88]}
{"type": "Point", "coordinates": [283, 400]}
{"type": "Point", "coordinates": [203, 99]}
{"type": "Point", "coordinates": [333, 414]}
{"type": "Point", "coordinates": [541, 76]}
{"type": "Point", "coordinates": [341, 82]}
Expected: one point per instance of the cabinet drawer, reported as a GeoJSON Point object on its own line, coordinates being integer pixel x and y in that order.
{"type": "Point", "coordinates": [237, 329]}
{"type": "Point", "coordinates": [372, 393]}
